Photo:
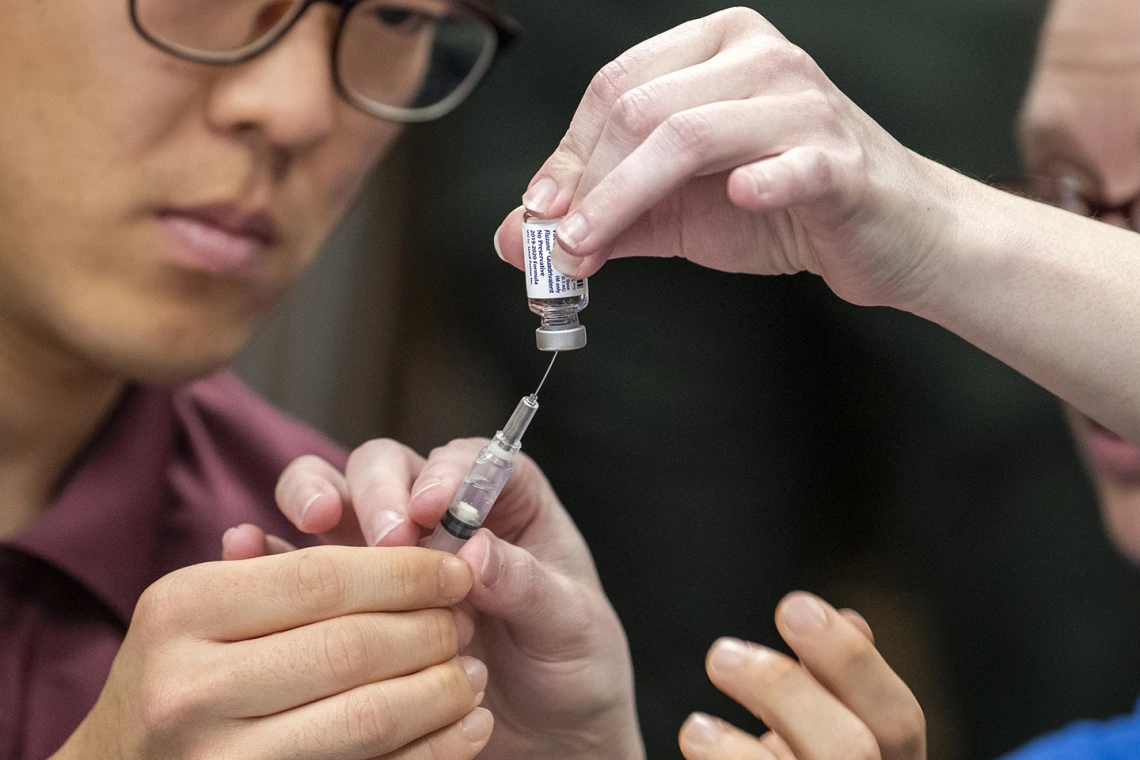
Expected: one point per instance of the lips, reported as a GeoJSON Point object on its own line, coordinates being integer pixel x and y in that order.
{"type": "Point", "coordinates": [1111, 454]}
{"type": "Point", "coordinates": [219, 239]}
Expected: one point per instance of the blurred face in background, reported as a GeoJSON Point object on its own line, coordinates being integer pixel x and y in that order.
{"type": "Point", "coordinates": [1080, 135]}
{"type": "Point", "coordinates": [152, 209]}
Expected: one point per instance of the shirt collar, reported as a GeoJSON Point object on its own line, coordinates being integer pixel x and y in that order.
{"type": "Point", "coordinates": [95, 530]}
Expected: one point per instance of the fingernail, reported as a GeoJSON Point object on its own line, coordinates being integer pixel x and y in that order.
{"type": "Point", "coordinates": [454, 578]}
{"type": "Point", "coordinates": [491, 569]}
{"type": "Point", "coordinates": [729, 654]}
{"type": "Point", "coordinates": [310, 500]}
{"type": "Point", "coordinates": [477, 725]}
{"type": "Point", "coordinates": [384, 523]}
{"type": "Point", "coordinates": [572, 231]}
{"type": "Point", "coordinates": [703, 730]}
{"type": "Point", "coordinates": [464, 628]}
{"type": "Point", "coordinates": [541, 196]}
{"type": "Point", "coordinates": [499, 248]}
{"type": "Point", "coordinates": [476, 673]}
{"type": "Point", "coordinates": [424, 489]}
{"type": "Point", "coordinates": [227, 534]}
{"type": "Point", "coordinates": [804, 615]}
{"type": "Point", "coordinates": [565, 263]}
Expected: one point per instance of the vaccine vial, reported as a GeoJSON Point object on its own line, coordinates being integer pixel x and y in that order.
{"type": "Point", "coordinates": [555, 298]}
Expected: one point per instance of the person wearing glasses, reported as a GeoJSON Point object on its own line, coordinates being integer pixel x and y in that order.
{"type": "Point", "coordinates": [166, 170]}
{"type": "Point", "coordinates": [1078, 135]}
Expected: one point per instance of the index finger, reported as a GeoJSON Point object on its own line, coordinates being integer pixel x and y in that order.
{"type": "Point", "coordinates": [790, 701]}
{"type": "Point", "coordinates": [841, 656]}
{"type": "Point", "coordinates": [380, 475]}
{"type": "Point", "coordinates": [232, 601]}
{"type": "Point", "coordinates": [553, 187]}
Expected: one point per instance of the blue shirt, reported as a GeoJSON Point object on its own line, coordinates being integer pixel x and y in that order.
{"type": "Point", "coordinates": [1114, 739]}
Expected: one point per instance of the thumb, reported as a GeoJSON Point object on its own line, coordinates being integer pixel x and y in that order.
{"type": "Point", "coordinates": [546, 611]}
{"type": "Point", "coordinates": [247, 541]}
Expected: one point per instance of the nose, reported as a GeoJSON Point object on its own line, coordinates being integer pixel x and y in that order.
{"type": "Point", "coordinates": [287, 92]}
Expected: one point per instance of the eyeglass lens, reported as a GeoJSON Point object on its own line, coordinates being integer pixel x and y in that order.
{"type": "Point", "coordinates": [396, 54]}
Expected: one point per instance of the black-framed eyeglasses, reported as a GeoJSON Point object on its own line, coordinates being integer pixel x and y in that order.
{"type": "Point", "coordinates": [401, 60]}
{"type": "Point", "coordinates": [1066, 192]}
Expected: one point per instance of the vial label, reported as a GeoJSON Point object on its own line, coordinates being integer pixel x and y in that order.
{"type": "Point", "coordinates": [543, 281]}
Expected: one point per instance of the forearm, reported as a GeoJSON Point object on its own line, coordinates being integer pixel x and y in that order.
{"type": "Point", "coordinates": [1053, 295]}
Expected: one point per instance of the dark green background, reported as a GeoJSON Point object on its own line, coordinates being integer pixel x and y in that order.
{"type": "Point", "coordinates": [725, 439]}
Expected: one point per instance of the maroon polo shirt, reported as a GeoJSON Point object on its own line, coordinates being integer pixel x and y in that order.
{"type": "Point", "coordinates": [166, 475]}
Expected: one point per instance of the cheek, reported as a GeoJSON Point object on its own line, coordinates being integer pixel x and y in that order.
{"type": "Point", "coordinates": [86, 105]}
{"type": "Point", "coordinates": [1119, 500]}
{"type": "Point", "coordinates": [330, 178]}
{"type": "Point", "coordinates": [1120, 507]}
{"type": "Point", "coordinates": [86, 86]}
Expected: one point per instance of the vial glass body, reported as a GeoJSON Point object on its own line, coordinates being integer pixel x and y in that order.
{"type": "Point", "coordinates": [555, 298]}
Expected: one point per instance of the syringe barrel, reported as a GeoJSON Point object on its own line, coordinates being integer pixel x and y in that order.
{"type": "Point", "coordinates": [443, 541]}
{"type": "Point", "coordinates": [474, 499]}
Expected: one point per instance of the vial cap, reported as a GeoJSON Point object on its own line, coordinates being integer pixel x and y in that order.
{"type": "Point", "coordinates": [560, 340]}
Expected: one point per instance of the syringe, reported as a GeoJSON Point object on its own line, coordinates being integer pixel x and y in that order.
{"type": "Point", "coordinates": [486, 478]}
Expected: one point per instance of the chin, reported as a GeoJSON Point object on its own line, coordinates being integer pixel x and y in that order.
{"type": "Point", "coordinates": [160, 362]}
{"type": "Point", "coordinates": [168, 370]}
{"type": "Point", "coordinates": [1120, 510]}
{"type": "Point", "coordinates": [164, 344]}
{"type": "Point", "coordinates": [1114, 465]}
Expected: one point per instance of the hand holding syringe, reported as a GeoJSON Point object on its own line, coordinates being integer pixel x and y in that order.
{"type": "Point", "coordinates": [486, 478]}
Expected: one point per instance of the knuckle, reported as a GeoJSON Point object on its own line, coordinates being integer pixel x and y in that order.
{"type": "Point", "coordinates": [459, 444]}
{"type": "Point", "coordinates": [862, 746]}
{"type": "Point", "coordinates": [816, 105]}
{"type": "Point", "coordinates": [634, 114]}
{"type": "Point", "coordinates": [689, 133]}
{"type": "Point", "coordinates": [308, 465]}
{"type": "Point", "coordinates": [305, 463]}
{"type": "Point", "coordinates": [162, 606]}
{"type": "Point", "coordinates": [739, 23]}
{"type": "Point", "coordinates": [820, 170]}
{"type": "Point", "coordinates": [315, 581]}
{"type": "Point", "coordinates": [376, 449]}
{"type": "Point", "coordinates": [764, 675]}
{"type": "Point", "coordinates": [346, 650]}
{"type": "Point", "coordinates": [409, 578]}
{"type": "Point", "coordinates": [531, 583]}
{"type": "Point", "coordinates": [570, 156]}
{"type": "Point", "coordinates": [612, 81]}
{"type": "Point", "coordinates": [795, 57]}
{"type": "Point", "coordinates": [369, 722]}
{"type": "Point", "coordinates": [757, 63]}
{"type": "Point", "coordinates": [906, 736]}
{"type": "Point", "coordinates": [453, 681]}
{"type": "Point", "coordinates": [739, 16]}
{"type": "Point", "coordinates": [160, 711]}
{"type": "Point", "coordinates": [211, 751]}
{"type": "Point", "coordinates": [170, 704]}
{"type": "Point", "coordinates": [151, 605]}
{"type": "Point", "coordinates": [440, 745]}
{"type": "Point", "coordinates": [782, 55]}
{"type": "Point", "coordinates": [439, 635]}
{"type": "Point", "coordinates": [856, 655]}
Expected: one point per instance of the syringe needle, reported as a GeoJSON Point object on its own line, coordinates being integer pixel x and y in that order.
{"type": "Point", "coordinates": [541, 382]}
